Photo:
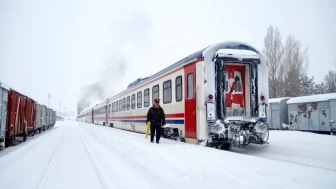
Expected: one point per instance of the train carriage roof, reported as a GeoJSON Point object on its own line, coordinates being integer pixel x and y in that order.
{"type": "Point", "coordinates": [4, 85]}
{"type": "Point", "coordinates": [7, 87]}
{"type": "Point", "coordinates": [277, 100]}
{"type": "Point", "coordinates": [207, 53]}
{"type": "Point", "coordinates": [312, 98]}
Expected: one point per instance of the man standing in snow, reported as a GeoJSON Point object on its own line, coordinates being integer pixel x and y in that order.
{"type": "Point", "coordinates": [156, 116]}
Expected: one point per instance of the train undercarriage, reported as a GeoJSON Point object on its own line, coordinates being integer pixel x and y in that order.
{"type": "Point", "coordinates": [238, 132]}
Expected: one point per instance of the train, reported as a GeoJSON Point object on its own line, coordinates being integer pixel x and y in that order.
{"type": "Point", "coordinates": [216, 97]}
{"type": "Point", "coordinates": [21, 116]}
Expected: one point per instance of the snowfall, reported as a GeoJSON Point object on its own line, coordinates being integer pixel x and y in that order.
{"type": "Point", "coordinates": [81, 155]}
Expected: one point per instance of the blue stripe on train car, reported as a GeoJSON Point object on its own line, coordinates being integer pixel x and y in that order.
{"type": "Point", "coordinates": [171, 121]}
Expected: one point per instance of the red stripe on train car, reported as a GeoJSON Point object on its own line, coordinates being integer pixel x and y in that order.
{"type": "Point", "coordinates": [179, 115]}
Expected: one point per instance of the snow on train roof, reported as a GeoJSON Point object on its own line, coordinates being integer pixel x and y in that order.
{"type": "Point", "coordinates": [277, 100]}
{"type": "Point", "coordinates": [210, 51]}
{"type": "Point", "coordinates": [237, 53]}
{"type": "Point", "coordinates": [312, 98]}
{"type": "Point", "coordinates": [4, 85]}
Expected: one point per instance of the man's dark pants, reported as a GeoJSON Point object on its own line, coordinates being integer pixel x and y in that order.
{"type": "Point", "coordinates": [157, 129]}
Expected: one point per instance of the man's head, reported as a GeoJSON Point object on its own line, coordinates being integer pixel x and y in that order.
{"type": "Point", "coordinates": [156, 102]}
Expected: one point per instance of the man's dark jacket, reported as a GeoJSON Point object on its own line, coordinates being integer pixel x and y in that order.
{"type": "Point", "coordinates": [156, 116]}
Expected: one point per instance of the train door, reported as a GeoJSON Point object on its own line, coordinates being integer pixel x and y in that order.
{"type": "Point", "coordinates": [107, 114]}
{"type": "Point", "coordinates": [235, 101]}
{"type": "Point", "coordinates": [190, 100]}
{"type": "Point", "coordinates": [92, 116]}
{"type": "Point", "coordinates": [3, 111]}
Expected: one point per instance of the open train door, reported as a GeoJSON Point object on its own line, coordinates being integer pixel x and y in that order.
{"type": "Point", "coordinates": [190, 101]}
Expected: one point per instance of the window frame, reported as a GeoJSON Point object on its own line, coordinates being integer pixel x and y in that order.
{"type": "Point", "coordinates": [120, 105]}
{"type": "Point", "coordinates": [177, 85]}
{"type": "Point", "coordinates": [117, 105]}
{"type": "Point", "coordinates": [124, 104]}
{"type": "Point", "coordinates": [128, 103]}
{"type": "Point", "coordinates": [146, 104]}
{"type": "Point", "coordinates": [193, 93]}
{"type": "Point", "coordinates": [238, 85]}
{"type": "Point", "coordinates": [163, 91]}
{"type": "Point", "coordinates": [133, 103]}
{"type": "Point", "coordinates": [139, 102]}
{"type": "Point", "coordinates": [158, 91]}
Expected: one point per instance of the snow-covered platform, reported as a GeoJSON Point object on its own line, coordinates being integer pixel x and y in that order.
{"type": "Point", "coordinates": [81, 155]}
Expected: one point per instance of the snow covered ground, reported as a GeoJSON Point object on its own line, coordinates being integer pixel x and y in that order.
{"type": "Point", "coordinates": [80, 155]}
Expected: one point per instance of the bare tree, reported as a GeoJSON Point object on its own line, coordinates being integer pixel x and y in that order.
{"type": "Point", "coordinates": [273, 50]}
{"type": "Point", "coordinates": [295, 64]}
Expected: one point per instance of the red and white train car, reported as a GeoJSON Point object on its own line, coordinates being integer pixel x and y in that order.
{"type": "Point", "coordinates": [217, 96]}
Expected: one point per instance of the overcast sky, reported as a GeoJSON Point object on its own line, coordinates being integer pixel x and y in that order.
{"type": "Point", "coordinates": [58, 47]}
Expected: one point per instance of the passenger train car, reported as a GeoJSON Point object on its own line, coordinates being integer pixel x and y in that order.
{"type": "Point", "coordinates": [217, 96]}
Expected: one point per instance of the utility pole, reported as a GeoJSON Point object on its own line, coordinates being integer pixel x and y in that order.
{"type": "Point", "coordinates": [49, 100]}
{"type": "Point", "coordinates": [59, 109]}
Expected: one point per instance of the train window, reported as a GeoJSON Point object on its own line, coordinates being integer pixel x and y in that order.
{"type": "Point", "coordinates": [155, 93]}
{"type": "Point", "coordinates": [146, 98]}
{"type": "Point", "coordinates": [190, 86]}
{"type": "Point", "coordinates": [238, 81]}
{"type": "Point", "coordinates": [178, 89]}
{"type": "Point", "coordinates": [128, 102]}
{"type": "Point", "coordinates": [167, 92]}
{"type": "Point", "coordinates": [133, 101]}
{"type": "Point", "coordinates": [120, 105]}
{"type": "Point", "coordinates": [139, 95]}
{"type": "Point", "coordinates": [110, 109]}
{"type": "Point", "coordinates": [124, 104]}
{"type": "Point", "coordinates": [117, 106]}
{"type": "Point", "coordinates": [113, 107]}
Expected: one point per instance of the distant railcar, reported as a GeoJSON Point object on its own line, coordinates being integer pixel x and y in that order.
{"type": "Point", "coordinates": [20, 115]}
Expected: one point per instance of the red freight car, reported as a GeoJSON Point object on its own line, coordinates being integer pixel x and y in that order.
{"type": "Point", "coordinates": [30, 116]}
{"type": "Point", "coordinates": [21, 116]}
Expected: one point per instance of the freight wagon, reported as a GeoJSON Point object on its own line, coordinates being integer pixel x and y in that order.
{"type": "Point", "coordinates": [20, 115]}
{"type": "Point", "coordinates": [217, 96]}
{"type": "Point", "coordinates": [4, 89]}
{"type": "Point", "coordinates": [314, 113]}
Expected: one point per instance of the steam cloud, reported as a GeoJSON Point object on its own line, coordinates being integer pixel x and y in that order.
{"type": "Point", "coordinates": [108, 81]}
{"type": "Point", "coordinates": [134, 33]}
